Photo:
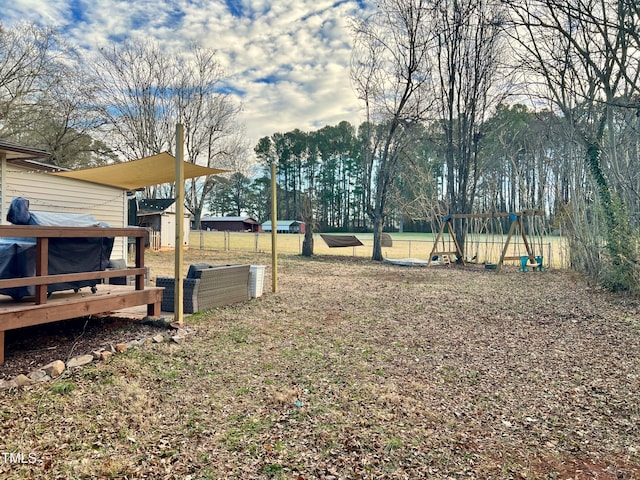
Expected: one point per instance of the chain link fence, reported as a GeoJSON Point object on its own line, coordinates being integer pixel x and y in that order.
{"type": "Point", "coordinates": [554, 249]}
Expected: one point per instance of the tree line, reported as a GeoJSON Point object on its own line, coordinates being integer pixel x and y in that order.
{"type": "Point", "coordinates": [444, 84]}
{"type": "Point", "coordinates": [525, 160]}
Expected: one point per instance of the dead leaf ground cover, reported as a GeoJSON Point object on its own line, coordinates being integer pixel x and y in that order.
{"type": "Point", "coordinates": [356, 369]}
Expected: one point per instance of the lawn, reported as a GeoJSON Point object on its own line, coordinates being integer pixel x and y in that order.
{"type": "Point", "coordinates": [404, 245]}
{"type": "Point", "coordinates": [355, 370]}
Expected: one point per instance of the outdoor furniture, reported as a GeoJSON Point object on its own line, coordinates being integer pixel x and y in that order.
{"type": "Point", "coordinates": [121, 264]}
{"type": "Point", "coordinates": [207, 286]}
{"type": "Point", "coordinates": [65, 255]}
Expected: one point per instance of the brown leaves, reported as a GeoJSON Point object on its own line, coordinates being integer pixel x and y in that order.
{"type": "Point", "coordinates": [427, 373]}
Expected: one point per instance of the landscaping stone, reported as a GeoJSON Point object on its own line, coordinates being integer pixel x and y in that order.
{"type": "Point", "coordinates": [158, 338]}
{"type": "Point", "coordinates": [6, 384]}
{"type": "Point", "coordinates": [97, 354]}
{"type": "Point", "coordinates": [22, 380]}
{"type": "Point", "coordinates": [79, 361]}
{"type": "Point", "coordinates": [38, 375]}
{"type": "Point", "coordinates": [55, 368]}
{"type": "Point", "coordinates": [105, 355]}
{"type": "Point", "coordinates": [134, 344]}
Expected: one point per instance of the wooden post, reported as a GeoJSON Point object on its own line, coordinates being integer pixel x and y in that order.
{"type": "Point", "coordinates": [274, 230]}
{"type": "Point", "coordinates": [447, 223]}
{"type": "Point", "coordinates": [140, 280]}
{"type": "Point", "coordinates": [1, 347]}
{"type": "Point", "coordinates": [514, 222]}
{"type": "Point", "coordinates": [452, 232]}
{"type": "Point", "coordinates": [42, 268]}
{"type": "Point", "coordinates": [530, 253]}
{"type": "Point", "coordinates": [179, 257]}
{"type": "Point", "coordinates": [435, 242]}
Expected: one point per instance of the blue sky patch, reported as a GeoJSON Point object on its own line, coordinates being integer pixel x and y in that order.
{"type": "Point", "coordinates": [227, 89]}
{"type": "Point", "coordinates": [269, 79]}
{"type": "Point", "coordinates": [77, 9]}
{"type": "Point", "coordinates": [235, 7]}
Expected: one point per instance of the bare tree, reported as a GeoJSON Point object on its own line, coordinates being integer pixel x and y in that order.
{"type": "Point", "coordinates": [390, 70]}
{"type": "Point", "coordinates": [583, 55]}
{"type": "Point", "coordinates": [213, 136]}
{"type": "Point", "coordinates": [25, 60]}
{"type": "Point", "coordinates": [467, 60]}
{"type": "Point", "coordinates": [143, 93]}
{"type": "Point", "coordinates": [134, 96]}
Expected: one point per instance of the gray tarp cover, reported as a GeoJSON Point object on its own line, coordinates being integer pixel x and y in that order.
{"type": "Point", "coordinates": [66, 255]}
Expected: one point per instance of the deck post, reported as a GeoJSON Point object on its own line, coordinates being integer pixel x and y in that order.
{"type": "Point", "coordinates": [140, 280]}
{"type": "Point", "coordinates": [42, 267]}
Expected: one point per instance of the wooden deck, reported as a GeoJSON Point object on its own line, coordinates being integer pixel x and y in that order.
{"type": "Point", "coordinates": [65, 305]}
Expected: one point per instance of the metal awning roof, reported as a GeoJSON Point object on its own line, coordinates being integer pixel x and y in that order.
{"type": "Point", "coordinates": [144, 172]}
{"type": "Point", "coordinates": [13, 151]}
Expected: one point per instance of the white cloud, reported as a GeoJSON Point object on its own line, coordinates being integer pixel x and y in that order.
{"type": "Point", "coordinates": [303, 46]}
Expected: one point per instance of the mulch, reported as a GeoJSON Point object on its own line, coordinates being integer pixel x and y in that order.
{"type": "Point", "coordinates": [27, 349]}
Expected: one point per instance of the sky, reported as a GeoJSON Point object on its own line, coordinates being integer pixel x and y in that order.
{"type": "Point", "coordinates": [287, 61]}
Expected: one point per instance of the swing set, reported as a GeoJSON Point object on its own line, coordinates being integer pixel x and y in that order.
{"type": "Point", "coordinates": [480, 231]}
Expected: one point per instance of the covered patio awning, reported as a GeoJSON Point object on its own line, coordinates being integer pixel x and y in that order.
{"type": "Point", "coordinates": [144, 172]}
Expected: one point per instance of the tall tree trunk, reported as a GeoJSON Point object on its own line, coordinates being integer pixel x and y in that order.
{"type": "Point", "coordinates": [378, 224]}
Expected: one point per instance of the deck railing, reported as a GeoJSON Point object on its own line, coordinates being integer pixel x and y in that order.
{"type": "Point", "coordinates": [43, 234]}
{"type": "Point", "coordinates": [24, 314]}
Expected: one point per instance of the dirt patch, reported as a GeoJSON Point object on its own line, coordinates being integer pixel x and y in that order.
{"type": "Point", "coordinates": [28, 348]}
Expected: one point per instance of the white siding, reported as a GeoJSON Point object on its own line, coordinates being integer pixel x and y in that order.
{"type": "Point", "coordinates": [50, 193]}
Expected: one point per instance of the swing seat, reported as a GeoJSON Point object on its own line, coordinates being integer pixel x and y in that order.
{"type": "Point", "coordinates": [526, 263]}
{"type": "Point", "coordinates": [514, 257]}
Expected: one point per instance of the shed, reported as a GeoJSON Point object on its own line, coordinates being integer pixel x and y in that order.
{"type": "Point", "coordinates": [159, 215]}
{"type": "Point", "coordinates": [229, 224]}
{"type": "Point", "coordinates": [25, 173]}
{"type": "Point", "coordinates": [286, 226]}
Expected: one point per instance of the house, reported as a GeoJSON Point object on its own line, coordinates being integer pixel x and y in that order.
{"type": "Point", "coordinates": [25, 173]}
{"type": "Point", "coordinates": [229, 224]}
{"type": "Point", "coordinates": [159, 215]}
{"type": "Point", "coordinates": [286, 226]}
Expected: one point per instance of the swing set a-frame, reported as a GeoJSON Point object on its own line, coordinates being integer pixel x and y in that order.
{"type": "Point", "coordinates": [516, 229]}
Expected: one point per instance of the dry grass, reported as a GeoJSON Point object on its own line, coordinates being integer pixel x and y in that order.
{"type": "Point", "coordinates": [357, 370]}
{"type": "Point", "coordinates": [405, 245]}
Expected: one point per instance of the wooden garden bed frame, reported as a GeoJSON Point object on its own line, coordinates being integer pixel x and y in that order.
{"type": "Point", "coordinates": [38, 309]}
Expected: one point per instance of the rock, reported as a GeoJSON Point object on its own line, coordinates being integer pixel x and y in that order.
{"type": "Point", "coordinates": [39, 375]}
{"type": "Point", "coordinates": [121, 347]}
{"type": "Point", "coordinates": [5, 384]}
{"type": "Point", "coordinates": [79, 361]}
{"type": "Point", "coordinates": [158, 338]}
{"type": "Point", "coordinates": [160, 322]}
{"type": "Point", "coordinates": [177, 338]}
{"type": "Point", "coordinates": [104, 356]}
{"type": "Point", "coordinates": [22, 380]}
{"type": "Point", "coordinates": [54, 369]}
{"type": "Point", "coordinates": [97, 354]}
